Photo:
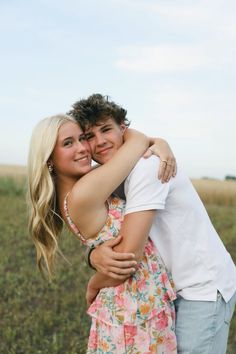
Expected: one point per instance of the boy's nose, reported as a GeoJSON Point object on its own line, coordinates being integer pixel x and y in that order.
{"type": "Point", "coordinates": [100, 139]}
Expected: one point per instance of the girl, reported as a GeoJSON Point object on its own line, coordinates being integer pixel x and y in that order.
{"type": "Point", "coordinates": [137, 315]}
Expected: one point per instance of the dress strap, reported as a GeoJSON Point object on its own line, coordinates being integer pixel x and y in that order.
{"type": "Point", "coordinates": [73, 227]}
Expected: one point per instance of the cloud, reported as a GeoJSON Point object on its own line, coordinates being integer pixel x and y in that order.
{"type": "Point", "coordinates": [198, 18]}
{"type": "Point", "coordinates": [162, 58]}
{"type": "Point", "coordinates": [193, 113]}
{"type": "Point", "coordinates": [185, 14]}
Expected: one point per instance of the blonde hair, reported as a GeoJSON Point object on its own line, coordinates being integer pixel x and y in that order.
{"type": "Point", "coordinates": [45, 223]}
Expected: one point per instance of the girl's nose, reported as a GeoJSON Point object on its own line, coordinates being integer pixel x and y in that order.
{"type": "Point", "coordinates": [81, 147]}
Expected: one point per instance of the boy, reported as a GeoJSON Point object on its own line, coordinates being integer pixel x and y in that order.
{"type": "Point", "coordinates": [203, 271]}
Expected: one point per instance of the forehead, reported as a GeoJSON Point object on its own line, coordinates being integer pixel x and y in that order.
{"type": "Point", "coordinates": [104, 121]}
{"type": "Point", "coordinates": [69, 129]}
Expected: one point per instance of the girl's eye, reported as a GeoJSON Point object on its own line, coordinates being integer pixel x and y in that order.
{"type": "Point", "coordinates": [67, 143]}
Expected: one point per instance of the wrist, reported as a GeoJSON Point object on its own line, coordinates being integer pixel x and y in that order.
{"type": "Point", "coordinates": [87, 257]}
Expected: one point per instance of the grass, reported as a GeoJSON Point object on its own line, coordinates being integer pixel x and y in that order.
{"type": "Point", "coordinates": [37, 317]}
{"type": "Point", "coordinates": [221, 193]}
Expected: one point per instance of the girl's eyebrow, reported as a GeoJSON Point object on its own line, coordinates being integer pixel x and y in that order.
{"type": "Point", "coordinates": [71, 137]}
{"type": "Point", "coordinates": [68, 137]}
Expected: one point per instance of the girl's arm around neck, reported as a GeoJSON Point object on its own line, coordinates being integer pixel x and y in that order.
{"type": "Point", "coordinates": [93, 189]}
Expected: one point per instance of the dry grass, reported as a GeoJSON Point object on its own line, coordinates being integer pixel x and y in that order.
{"type": "Point", "coordinates": [216, 192]}
{"type": "Point", "coordinates": [12, 170]}
{"type": "Point", "coordinates": [211, 191]}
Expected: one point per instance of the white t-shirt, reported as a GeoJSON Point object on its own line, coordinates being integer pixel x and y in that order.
{"type": "Point", "coordinates": [182, 232]}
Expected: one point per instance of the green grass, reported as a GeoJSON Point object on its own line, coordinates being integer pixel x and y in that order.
{"type": "Point", "coordinates": [37, 317]}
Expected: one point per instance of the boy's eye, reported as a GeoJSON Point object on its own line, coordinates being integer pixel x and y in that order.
{"type": "Point", "coordinates": [106, 129]}
{"type": "Point", "coordinates": [89, 136]}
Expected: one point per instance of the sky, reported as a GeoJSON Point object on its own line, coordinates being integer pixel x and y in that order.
{"type": "Point", "coordinates": [171, 64]}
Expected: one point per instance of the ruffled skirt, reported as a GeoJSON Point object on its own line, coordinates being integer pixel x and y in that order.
{"type": "Point", "coordinates": [137, 316]}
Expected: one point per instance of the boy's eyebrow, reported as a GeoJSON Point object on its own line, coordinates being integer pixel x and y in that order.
{"type": "Point", "coordinates": [101, 126]}
{"type": "Point", "coordinates": [106, 125]}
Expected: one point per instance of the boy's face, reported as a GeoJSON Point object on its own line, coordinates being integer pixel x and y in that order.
{"type": "Point", "coordinates": [104, 139]}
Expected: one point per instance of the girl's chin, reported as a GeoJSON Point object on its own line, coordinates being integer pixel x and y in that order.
{"type": "Point", "coordinates": [85, 170]}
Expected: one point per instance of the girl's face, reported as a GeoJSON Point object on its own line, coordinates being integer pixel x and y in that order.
{"type": "Point", "coordinates": [71, 156]}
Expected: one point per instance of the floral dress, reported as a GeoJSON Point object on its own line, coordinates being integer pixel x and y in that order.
{"type": "Point", "coordinates": [136, 317]}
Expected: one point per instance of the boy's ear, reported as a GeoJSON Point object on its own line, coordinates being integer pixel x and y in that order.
{"type": "Point", "coordinates": [123, 127]}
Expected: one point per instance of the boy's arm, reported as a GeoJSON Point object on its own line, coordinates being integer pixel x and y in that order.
{"type": "Point", "coordinates": [117, 265]}
{"type": "Point", "coordinates": [135, 230]}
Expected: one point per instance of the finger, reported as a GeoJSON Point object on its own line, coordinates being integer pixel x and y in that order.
{"type": "Point", "coordinates": [168, 173]}
{"type": "Point", "coordinates": [162, 169]}
{"type": "Point", "coordinates": [118, 256]}
{"type": "Point", "coordinates": [117, 276]}
{"type": "Point", "coordinates": [123, 264]}
{"type": "Point", "coordinates": [172, 163]}
{"type": "Point", "coordinates": [122, 271]}
{"type": "Point", "coordinates": [114, 242]}
{"type": "Point", "coordinates": [175, 169]}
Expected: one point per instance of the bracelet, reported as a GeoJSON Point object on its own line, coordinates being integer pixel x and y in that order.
{"type": "Point", "coordinates": [87, 254]}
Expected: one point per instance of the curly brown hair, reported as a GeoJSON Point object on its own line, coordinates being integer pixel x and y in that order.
{"type": "Point", "coordinates": [96, 108]}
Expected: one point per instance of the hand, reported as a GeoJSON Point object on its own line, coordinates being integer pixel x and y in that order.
{"type": "Point", "coordinates": [91, 293]}
{"type": "Point", "coordinates": [168, 166]}
{"type": "Point", "coordinates": [116, 265]}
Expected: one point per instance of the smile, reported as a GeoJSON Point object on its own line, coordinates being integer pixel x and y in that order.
{"type": "Point", "coordinates": [84, 158]}
{"type": "Point", "coordinates": [104, 151]}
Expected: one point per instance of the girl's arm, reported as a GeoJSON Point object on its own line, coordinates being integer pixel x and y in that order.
{"type": "Point", "coordinates": [87, 198]}
{"type": "Point", "coordinates": [135, 230]}
{"type": "Point", "coordinates": [168, 166]}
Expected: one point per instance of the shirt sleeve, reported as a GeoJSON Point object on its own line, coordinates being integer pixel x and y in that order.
{"type": "Point", "coordinates": [143, 189]}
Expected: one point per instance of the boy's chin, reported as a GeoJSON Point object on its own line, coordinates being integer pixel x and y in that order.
{"type": "Point", "coordinates": [103, 159]}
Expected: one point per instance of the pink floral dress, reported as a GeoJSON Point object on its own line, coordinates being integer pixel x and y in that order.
{"type": "Point", "coordinates": [137, 316]}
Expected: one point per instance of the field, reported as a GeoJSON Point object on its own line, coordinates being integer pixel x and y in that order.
{"type": "Point", "coordinates": [37, 317]}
